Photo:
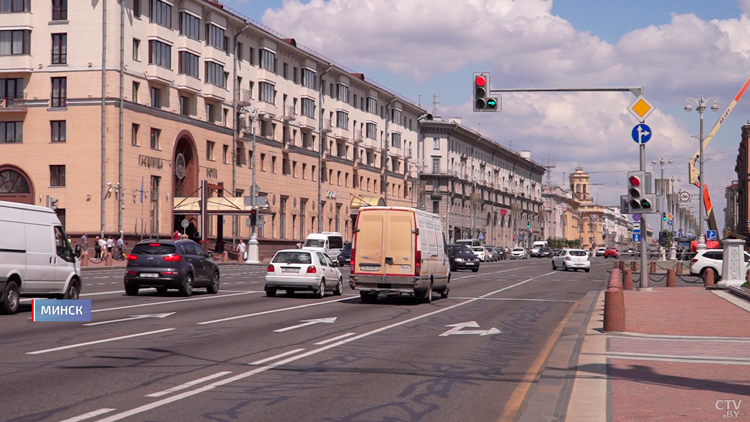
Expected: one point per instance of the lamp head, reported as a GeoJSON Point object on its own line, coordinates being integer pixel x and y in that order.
{"type": "Point", "coordinates": [715, 107]}
{"type": "Point", "coordinates": [688, 108]}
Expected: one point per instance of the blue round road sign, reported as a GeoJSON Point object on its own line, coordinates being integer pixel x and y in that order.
{"type": "Point", "coordinates": [641, 133]}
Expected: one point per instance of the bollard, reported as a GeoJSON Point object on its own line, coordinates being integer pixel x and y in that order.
{"type": "Point", "coordinates": [224, 256]}
{"type": "Point", "coordinates": [239, 258]}
{"type": "Point", "coordinates": [708, 279]}
{"type": "Point", "coordinates": [622, 265]}
{"type": "Point", "coordinates": [615, 279]}
{"type": "Point", "coordinates": [107, 259]}
{"type": "Point", "coordinates": [633, 266]}
{"type": "Point", "coordinates": [652, 268]}
{"type": "Point", "coordinates": [627, 279]}
{"type": "Point", "coordinates": [671, 278]}
{"type": "Point", "coordinates": [615, 265]}
{"type": "Point", "coordinates": [84, 261]}
{"type": "Point", "coordinates": [679, 267]}
{"type": "Point", "coordinates": [614, 310]}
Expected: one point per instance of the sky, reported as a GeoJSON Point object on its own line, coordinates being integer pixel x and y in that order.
{"type": "Point", "coordinates": [428, 49]}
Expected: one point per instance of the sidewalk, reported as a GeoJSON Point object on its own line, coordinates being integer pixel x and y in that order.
{"type": "Point", "coordinates": [685, 357]}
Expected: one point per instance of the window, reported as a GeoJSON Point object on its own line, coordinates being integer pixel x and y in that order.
{"type": "Point", "coordinates": [155, 97]}
{"type": "Point", "coordinates": [134, 134]}
{"type": "Point", "coordinates": [435, 165]}
{"type": "Point", "coordinates": [160, 54]}
{"type": "Point", "coordinates": [155, 133]}
{"type": "Point", "coordinates": [161, 13]}
{"type": "Point", "coordinates": [210, 113]}
{"type": "Point", "coordinates": [308, 78]}
{"type": "Point", "coordinates": [267, 58]}
{"type": "Point", "coordinates": [342, 92]}
{"type": "Point", "coordinates": [136, 85]}
{"type": "Point", "coordinates": [215, 75]}
{"type": "Point", "coordinates": [184, 105]}
{"type": "Point", "coordinates": [136, 7]}
{"type": "Point", "coordinates": [342, 120]}
{"type": "Point", "coordinates": [59, 48]}
{"type": "Point", "coordinates": [308, 107]}
{"type": "Point", "coordinates": [267, 92]}
{"type": "Point", "coordinates": [58, 130]}
{"type": "Point", "coordinates": [210, 145]}
{"type": "Point", "coordinates": [189, 25]}
{"type": "Point", "coordinates": [435, 143]}
{"type": "Point", "coordinates": [188, 64]}
{"type": "Point", "coordinates": [251, 59]}
{"type": "Point", "coordinates": [215, 37]}
{"type": "Point", "coordinates": [136, 47]}
{"type": "Point", "coordinates": [59, 92]}
{"type": "Point", "coordinates": [262, 162]}
{"type": "Point", "coordinates": [396, 140]}
{"type": "Point", "coordinates": [285, 169]}
{"type": "Point", "coordinates": [282, 217]}
{"type": "Point", "coordinates": [395, 115]}
{"type": "Point", "coordinates": [15, 6]}
{"type": "Point", "coordinates": [15, 43]}
{"type": "Point", "coordinates": [238, 51]}
{"type": "Point", "coordinates": [225, 153]}
{"type": "Point", "coordinates": [286, 71]}
{"type": "Point", "coordinates": [372, 131]}
{"type": "Point", "coordinates": [57, 175]}
{"type": "Point", "coordinates": [295, 75]}
{"type": "Point", "coordinates": [372, 105]}
{"type": "Point", "coordinates": [273, 164]}
{"type": "Point", "coordinates": [11, 132]}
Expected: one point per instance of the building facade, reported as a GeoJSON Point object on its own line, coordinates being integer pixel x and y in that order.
{"type": "Point", "coordinates": [118, 110]}
{"type": "Point", "coordinates": [731, 211]}
{"type": "Point", "coordinates": [741, 222]}
{"type": "Point", "coordinates": [481, 188]}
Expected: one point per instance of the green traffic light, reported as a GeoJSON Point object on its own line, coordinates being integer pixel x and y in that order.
{"type": "Point", "coordinates": [646, 204]}
{"type": "Point", "coordinates": [491, 103]}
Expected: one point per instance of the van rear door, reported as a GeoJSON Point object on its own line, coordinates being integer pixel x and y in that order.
{"type": "Point", "coordinates": [369, 241]}
{"type": "Point", "coordinates": [399, 243]}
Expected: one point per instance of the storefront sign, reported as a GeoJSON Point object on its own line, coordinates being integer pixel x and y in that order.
{"type": "Point", "coordinates": [332, 194]}
{"type": "Point", "coordinates": [150, 162]}
{"type": "Point", "coordinates": [212, 173]}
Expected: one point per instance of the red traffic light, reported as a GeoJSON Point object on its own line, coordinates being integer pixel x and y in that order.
{"type": "Point", "coordinates": [634, 181]}
{"type": "Point", "coordinates": [480, 81]}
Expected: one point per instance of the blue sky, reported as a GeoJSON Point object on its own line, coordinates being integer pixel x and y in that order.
{"type": "Point", "coordinates": [675, 48]}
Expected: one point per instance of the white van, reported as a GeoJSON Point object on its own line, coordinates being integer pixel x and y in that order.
{"type": "Point", "coordinates": [399, 250]}
{"type": "Point", "coordinates": [35, 256]}
{"type": "Point", "coordinates": [330, 243]}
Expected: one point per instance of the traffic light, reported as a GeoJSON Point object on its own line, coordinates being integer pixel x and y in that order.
{"type": "Point", "coordinates": [663, 216]}
{"type": "Point", "coordinates": [253, 217]}
{"type": "Point", "coordinates": [638, 201]}
{"type": "Point", "coordinates": [528, 224]}
{"type": "Point", "coordinates": [482, 100]}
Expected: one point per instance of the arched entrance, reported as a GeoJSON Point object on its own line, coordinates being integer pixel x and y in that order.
{"type": "Point", "coordinates": [15, 185]}
{"type": "Point", "coordinates": [184, 175]}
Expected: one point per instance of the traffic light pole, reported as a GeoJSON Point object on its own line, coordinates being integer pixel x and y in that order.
{"type": "Point", "coordinates": [644, 282]}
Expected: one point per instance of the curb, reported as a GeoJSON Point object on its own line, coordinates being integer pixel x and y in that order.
{"type": "Point", "coordinates": [550, 395]}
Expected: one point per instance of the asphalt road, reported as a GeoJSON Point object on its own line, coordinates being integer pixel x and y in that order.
{"type": "Point", "coordinates": [242, 356]}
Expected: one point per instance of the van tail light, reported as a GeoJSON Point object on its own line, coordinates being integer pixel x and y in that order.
{"type": "Point", "coordinates": [270, 268]}
{"type": "Point", "coordinates": [132, 272]}
{"type": "Point", "coordinates": [352, 263]}
{"type": "Point", "coordinates": [417, 261]}
{"type": "Point", "coordinates": [173, 258]}
{"type": "Point", "coordinates": [132, 257]}
{"type": "Point", "coordinates": [312, 270]}
{"type": "Point", "coordinates": [694, 260]}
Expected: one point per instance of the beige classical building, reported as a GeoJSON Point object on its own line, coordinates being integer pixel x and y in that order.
{"type": "Point", "coordinates": [116, 109]}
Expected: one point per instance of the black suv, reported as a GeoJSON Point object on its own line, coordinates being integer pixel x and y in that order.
{"type": "Point", "coordinates": [544, 252]}
{"type": "Point", "coordinates": [462, 258]}
{"type": "Point", "coordinates": [170, 264]}
{"type": "Point", "coordinates": [345, 257]}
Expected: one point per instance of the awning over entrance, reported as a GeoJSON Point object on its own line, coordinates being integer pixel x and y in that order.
{"type": "Point", "coordinates": [216, 205]}
{"type": "Point", "coordinates": [365, 201]}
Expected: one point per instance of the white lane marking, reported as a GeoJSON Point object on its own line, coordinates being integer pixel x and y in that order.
{"type": "Point", "coordinates": [306, 322]}
{"type": "Point", "coordinates": [495, 272]}
{"type": "Point", "coordinates": [132, 318]}
{"type": "Point", "coordinates": [244, 375]}
{"type": "Point", "coordinates": [513, 299]}
{"type": "Point", "coordinates": [173, 301]}
{"type": "Point", "coordinates": [84, 294]}
{"type": "Point", "coordinates": [106, 340]}
{"type": "Point", "coordinates": [88, 415]}
{"type": "Point", "coordinates": [188, 384]}
{"type": "Point", "coordinates": [330, 340]}
{"type": "Point", "coordinates": [272, 311]}
{"type": "Point", "coordinates": [279, 356]}
{"type": "Point", "coordinates": [459, 329]}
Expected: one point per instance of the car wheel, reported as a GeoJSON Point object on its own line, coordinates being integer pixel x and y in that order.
{"type": "Point", "coordinates": [447, 290]}
{"type": "Point", "coordinates": [186, 288]}
{"type": "Point", "coordinates": [321, 292]}
{"type": "Point", "coordinates": [565, 267]}
{"type": "Point", "coordinates": [368, 297]}
{"type": "Point", "coordinates": [427, 296]}
{"type": "Point", "coordinates": [213, 287]}
{"type": "Point", "coordinates": [270, 292]}
{"type": "Point", "coordinates": [73, 291]}
{"type": "Point", "coordinates": [10, 299]}
{"type": "Point", "coordinates": [161, 290]}
{"type": "Point", "coordinates": [131, 290]}
{"type": "Point", "coordinates": [588, 269]}
{"type": "Point", "coordinates": [474, 270]}
{"type": "Point", "coordinates": [553, 265]}
{"type": "Point", "coordinates": [289, 292]}
{"type": "Point", "coordinates": [339, 287]}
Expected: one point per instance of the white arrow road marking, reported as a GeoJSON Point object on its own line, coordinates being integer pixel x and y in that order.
{"type": "Point", "coordinates": [132, 318]}
{"type": "Point", "coordinates": [306, 322]}
{"type": "Point", "coordinates": [473, 324]}
{"type": "Point", "coordinates": [89, 415]}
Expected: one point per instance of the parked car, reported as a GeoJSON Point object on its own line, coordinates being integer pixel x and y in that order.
{"type": "Point", "coordinates": [170, 264]}
{"type": "Point", "coordinates": [556, 252]}
{"type": "Point", "coordinates": [611, 252]}
{"type": "Point", "coordinates": [399, 250]}
{"type": "Point", "coordinates": [330, 243]}
{"type": "Point", "coordinates": [35, 256]}
{"type": "Point", "coordinates": [462, 258]}
{"type": "Point", "coordinates": [711, 260]}
{"type": "Point", "coordinates": [500, 252]}
{"type": "Point", "coordinates": [519, 253]}
{"type": "Point", "coordinates": [303, 270]}
{"type": "Point", "coordinates": [574, 259]}
{"type": "Point", "coordinates": [345, 257]}
{"type": "Point", "coordinates": [544, 252]}
{"type": "Point", "coordinates": [600, 251]}
{"type": "Point", "coordinates": [482, 253]}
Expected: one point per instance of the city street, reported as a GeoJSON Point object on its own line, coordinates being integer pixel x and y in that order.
{"type": "Point", "coordinates": [240, 355]}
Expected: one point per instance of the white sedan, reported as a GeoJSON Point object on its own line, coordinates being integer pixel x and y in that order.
{"type": "Point", "coordinates": [519, 253]}
{"type": "Point", "coordinates": [572, 259]}
{"type": "Point", "coordinates": [297, 269]}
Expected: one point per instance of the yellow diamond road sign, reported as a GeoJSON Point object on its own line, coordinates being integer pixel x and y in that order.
{"type": "Point", "coordinates": [641, 108]}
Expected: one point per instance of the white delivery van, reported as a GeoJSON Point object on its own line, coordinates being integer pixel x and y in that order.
{"type": "Point", "coordinates": [539, 244]}
{"type": "Point", "coordinates": [398, 250]}
{"type": "Point", "coordinates": [35, 256]}
{"type": "Point", "coordinates": [330, 243]}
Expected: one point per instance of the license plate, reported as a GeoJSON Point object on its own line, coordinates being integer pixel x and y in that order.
{"type": "Point", "coordinates": [149, 275]}
{"type": "Point", "coordinates": [469, 263]}
{"type": "Point", "coordinates": [368, 268]}
{"type": "Point", "coordinates": [290, 270]}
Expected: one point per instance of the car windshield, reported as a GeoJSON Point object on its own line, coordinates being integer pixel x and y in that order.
{"type": "Point", "coordinates": [292, 258]}
{"type": "Point", "coordinates": [478, 249]}
{"type": "Point", "coordinates": [518, 250]}
{"type": "Point", "coordinates": [347, 246]}
{"type": "Point", "coordinates": [336, 242]}
{"type": "Point", "coordinates": [153, 249]}
{"type": "Point", "coordinates": [315, 243]}
{"type": "Point", "coordinates": [578, 253]}
{"type": "Point", "coordinates": [462, 249]}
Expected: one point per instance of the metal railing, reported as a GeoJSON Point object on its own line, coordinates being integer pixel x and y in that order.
{"type": "Point", "coordinates": [13, 103]}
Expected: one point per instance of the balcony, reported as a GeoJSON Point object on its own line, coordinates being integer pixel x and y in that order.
{"type": "Point", "coordinates": [17, 63]}
{"type": "Point", "coordinates": [289, 114]}
{"type": "Point", "coordinates": [245, 97]}
{"type": "Point", "coordinates": [15, 20]}
{"type": "Point", "coordinates": [159, 74]}
{"type": "Point", "coordinates": [358, 137]}
{"type": "Point", "coordinates": [13, 105]}
{"type": "Point", "coordinates": [266, 109]}
{"type": "Point", "coordinates": [327, 126]}
{"type": "Point", "coordinates": [188, 83]}
{"type": "Point", "coordinates": [214, 92]}
{"type": "Point", "coordinates": [341, 133]}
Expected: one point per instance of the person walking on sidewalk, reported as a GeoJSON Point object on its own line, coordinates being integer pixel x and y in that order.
{"type": "Point", "coordinates": [102, 247]}
{"type": "Point", "coordinates": [121, 246]}
{"type": "Point", "coordinates": [97, 248]}
{"type": "Point", "coordinates": [110, 244]}
{"type": "Point", "coordinates": [85, 243]}
{"type": "Point", "coordinates": [242, 248]}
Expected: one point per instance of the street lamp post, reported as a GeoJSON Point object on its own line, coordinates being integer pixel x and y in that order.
{"type": "Point", "coordinates": [253, 250]}
{"type": "Point", "coordinates": [662, 160]}
{"type": "Point", "coordinates": [701, 107]}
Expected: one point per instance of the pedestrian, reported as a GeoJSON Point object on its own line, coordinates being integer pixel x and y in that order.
{"type": "Point", "coordinates": [102, 248]}
{"type": "Point", "coordinates": [242, 248]}
{"type": "Point", "coordinates": [110, 244]}
{"type": "Point", "coordinates": [176, 235]}
{"type": "Point", "coordinates": [97, 248]}
{"type": "Point", "coordinates": [121, 245]}
{"type": "Point", "coordinates": [85, 243]}
{"type": "Point", "coordinates": [299, 245]}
